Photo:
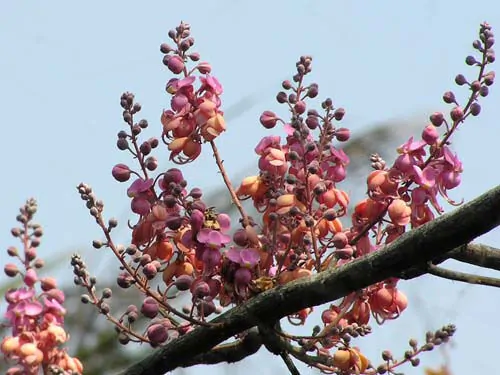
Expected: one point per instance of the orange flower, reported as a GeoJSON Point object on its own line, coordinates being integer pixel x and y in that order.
{"type": "Point", "coordinates": [399, 212]}
{"type": "Point", "coordinates": [328, 226]}
{"type": "Point", "coordinates": [252, 186]}
{"type": "Point", "coordinates": [379, 181]}
{"type": "Point", "coordinates": [177, 269]}
{"type": "Point", "coordinates": [368, 209]}
{"type": "Point", "coordinates": [286, 202]}
{"type": "Point", "coordinates": [162, 250]}
{"type": "Point", "coordinates": [443, 370]}
{"type": "Point", "coordinates": [213, 127]}
{"type": "Point", "coordinates": [350, 359]}
{"type": "Point", "coordinates": [185, 145]}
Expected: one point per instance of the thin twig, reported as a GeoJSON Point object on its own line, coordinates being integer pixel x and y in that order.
{"type": "Point", "coordinates": [230, 188]}
{"type": "Point", "coordinates": [462, 276]}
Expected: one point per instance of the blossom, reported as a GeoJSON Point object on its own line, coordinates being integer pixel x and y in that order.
{"type": "Point", "coordinates": [450, 177]}
{"type": "Point", "coordinates": [266, 143]}
{"type": "Point", "coordinates": [212, 238]}
{"type": "Point", "coordinates": [176, 84]}
{"type": "Point", "coordinates": [139, 186]}
{"type": "Point", "coordinates": [411, 153]}
{"type": "Point", "coordinates": [273, 160]}
{"type": "Point", "coordinates": [244, 257]}
{"type": "Point", "coordinates": [36, 320]}
{"type": "Point", "coordinates": [212, 84]}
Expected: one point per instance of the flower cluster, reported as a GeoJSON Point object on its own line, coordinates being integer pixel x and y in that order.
{"type": "Point", "coordinates": [194, 115]}
{"type": "Point", "coordinates": [36, 319]}
{"type": "Point", "coordinates": [307, 223]}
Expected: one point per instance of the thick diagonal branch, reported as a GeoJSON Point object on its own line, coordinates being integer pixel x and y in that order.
{"type": "Point", "coordinates": [416, 247]}
{"type": "Point", "coordinates": [230, 353]}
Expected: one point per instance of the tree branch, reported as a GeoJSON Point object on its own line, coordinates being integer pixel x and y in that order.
{"type": "Point", "coordinates": [274, 344]}
{"type": "Point", "coordinates": [416, 247]}
{"type": "Point", "coordinates": [462, 276]}
{"type": "Point", "coordinates": [474, 254]}
{"type": "Point", "coordinates": [230, 353]}
{"type": "Point", "coordinates": [478, 255]}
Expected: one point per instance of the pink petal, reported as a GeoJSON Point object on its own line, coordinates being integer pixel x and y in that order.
{"type": "Point", "coordinates": [31, 308]}
{"type": "Point", "coordinates": [224, 222]}
{"type": "Point", "coordinates": [203, 235]}
{"type": "Point", "coordinates": [249, 257]}
{"type": "Point", "coordinates": [233, 255]}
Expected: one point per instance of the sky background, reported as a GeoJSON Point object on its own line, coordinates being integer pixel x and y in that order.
{"type": "Point", "coordinates": [65, 64]}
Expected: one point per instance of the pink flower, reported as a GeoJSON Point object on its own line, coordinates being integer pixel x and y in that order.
{"type": "Point", "coordinates": [140, 206]}
{"type": "Point", "coordinates": [267, 142]}
{"type": "Point", "coordinates": [175, 64]}
{"type": "Point", "coordinates": [176, 84]}
{"type": "Point", "coordinates": [273, 160]}
{"type": "Point", "coordinates": [224, 221]}
{"type": "Point", "coordinates": [450, 177]}
{"type": "Point", "coordinates": [247, 258]}
{"type": "Point", "coordinates": [139, 186]}
{"type": "Point", "coordinates": [212, 238]}
{"type": "Point", "coordinates": [210, 83]}
{"type": "Point", "coordinates": [180, 102]}
{"type": "Point", "coordinates": [411, 154]}
{"type": "Point", "coordinates": [55, 306]}
{"type": "Point", "coordinates": [426, 178]}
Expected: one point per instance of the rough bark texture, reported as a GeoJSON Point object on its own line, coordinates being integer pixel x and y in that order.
{"type": "Point", "coordinates": [437, 240]}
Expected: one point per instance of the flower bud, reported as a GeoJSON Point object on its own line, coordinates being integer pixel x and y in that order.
{"type": "Point", "coordinates": [339, 114]}
{"type": "Point", "coordinates": [470, 60]}
{"type": "Point", "coordinates": [340, 240]}
{"type": "Point", "coordinates": [200, 289]}
{"type": "Point", "coordinates": [124, 280]}
{"type": "Point", "coordinates": [206, 307]}
{"type": "Point", "coordinates": [150, 270]}
{"type": "Point", "coordinates": [150, 308]}
{"type": "Point", "coordinates": [449, 97]}
{"type": "Point", "coordinates": [30, 278]}
{"type": "Point", "coordinates": [475, 109]}
{"type": "Point", "coordinates": [240, 238]}
{"type": "Point", "coordinates": [12, 251]}
{"type": "Point", "coordinates": [460, 80]}
{"type": "Point", "coordinates": [342, 134]}
{"type": "Point", "coordinates": [11, 270]}
{"type": "Point", "coordinates": [242, 276]}
{"type": "Point", "coordinates": [430, 134]}
{"type": "Point", "coordinates": [174, 63]}
{"type": "Point", "coordinates": [157, 334]}
{"type": "Point", "coordinates": [48, 283]}
{"type": "Point", "coordinates": [281, 97]}
{"type": "Point", "coordinates": [437, 119]}
{"type": "Point", "coordinates": [268, 119]}
{"type": "Point", "coordinates": [183, 282]}
{"type": "Point", "coordinates": [312, 122]}
{"type": "Point", "coordinates": [457, 114]}
{"type": "Point", "coordinates": [313, 91]}
{"type": "Point", "coordinates": [300, 107]}
{"type": "Point", "coordinates": [204, 67]}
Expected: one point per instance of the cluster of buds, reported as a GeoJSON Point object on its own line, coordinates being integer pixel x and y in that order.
{"type": "Point", "coordinates": [432, 339]}
{"type": "Point", "coordinates": [180, 244]}
{"type": "Point", "coordinates": [35, 318]}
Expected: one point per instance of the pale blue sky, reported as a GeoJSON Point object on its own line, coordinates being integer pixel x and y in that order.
{"type": "Point", "coordinates": [64, 66]}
